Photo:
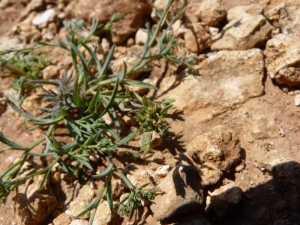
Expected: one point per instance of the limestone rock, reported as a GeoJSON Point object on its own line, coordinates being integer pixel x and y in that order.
{"type": "Point", "coordinates": [42, 20]}
{"type": "Point", "coordinates": [271, 160]}
{"type": "Point", "coordinates": [103, 214]}
{"type": "Point", "coordinates": [223, 80]}
{"type": "Point", "coordinates": [220, 146]}
{"type": "Point", "coordinates": [141, 37]}
{"type": "Point", "coordinates": [33, 206]}
{"type": "Point", "coordinates": [138, 175]}
{"type": "Point", "coordinates": [162, 171]}
{"type": "Point", "coordinates": [132, 14]}
{"type": "Point", "coordinates": [243, 33]}
{"type": "Point", "coordinates": [79, 222]}
{"type": "Point", "coordinates": [197, 38]}
{"type": "Point", "coordinates": [283, 59]}
{"type": "Point", "coordinates": [161, 5]}
{"type": "Point", "coordinates": [210, 174]}
{"type": "Point", "coordinates": [85, 196]}
{"type": "Point", "coordinates": [181, 193]}
{"type": "Point", "coordinates": [50, 72]}
{"type": "Point", "coordinates": [289, 19]}
{"type": "Point", "coordinates": [62, 219]}
{"type": "Point", "coordinates": [274, 13]}
{"type": "Point", "coordinates": [224, 199]}
{"type": "Point", "coordinates": [210, 12]}
{"type": "Point", "coordinates": [238, 11]}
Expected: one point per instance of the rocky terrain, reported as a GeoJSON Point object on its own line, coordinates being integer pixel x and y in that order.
{"type": "Point", "coordinates": [235, 157]}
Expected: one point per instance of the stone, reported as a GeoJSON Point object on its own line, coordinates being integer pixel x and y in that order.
{"type": "Point", "coordinates": [161, 5]}
{"type": "Point", "coordinates": [224, 199]}
{"type": "Point", "coordinates": [51, 72]}
{"type": "Point", "coordinates": [271, 160]}
{"type": "Point", "coordinates": [210, 12]}
{"type": "Point", "coordinates": [79, 222]}
{"type": "Point", "coordinates": [156, 140]}
{"type": "Point", "coordinates": [3, 104]}
{"type": "Point", "coordinates": [243, 33]}
{"type": "Point", "coordinates": [162, 171]}
{"type": "Point", "coordinates": [238, 11]}
{"type": "Point", "coordinates": [103, 214]}
{"type": "Point", "coordinates": [283, 59]}
{"type": "Point", "coordinates": [197, 38]}
{"type": "Point", "coordinates": [220, 147]}
{"type": "Point", "coordinates": [289, 19]}
{"type": "Point", "coordinates": [141, 37]}
{"type": "Point", "coordinates": [32, 205]}
{"type": "Point", "coordinates": [178, 29]}
{"type": "Point", "coordinates": [85, 196]}
{"type": "Point", "coordinates": [273, 14]}
{"type": "Point", "coordinates": [42, 20]}
{"type": "Point", "coordinates": [220, 82]}
{"type": "Point", "coordinates": [138, 175]}
{"type": "Point", "coordinates": [297, 100]}
{"type": "Point", "coordinates": [181, 192]}
{"type": "Point", "coordinates": [62, 219]}
{"type": "Point", "coordinates": [132, 15]}
{"type": "Point", "coordinates": [118, 67]}
{"type": "Point", "coordinates": [210, 174]}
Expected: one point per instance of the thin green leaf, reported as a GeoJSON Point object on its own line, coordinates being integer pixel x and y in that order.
{"type": "Point", "coordinates": [140, 84]}
{"type": "Point", "coordinates": [11, 143]}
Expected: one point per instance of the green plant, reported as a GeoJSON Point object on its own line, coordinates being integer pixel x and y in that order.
{"type": "Point", "coordinates": [79, 101]}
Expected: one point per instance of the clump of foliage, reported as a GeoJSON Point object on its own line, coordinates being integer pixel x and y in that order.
{"type": "Point", "coordinates": [79, 101]}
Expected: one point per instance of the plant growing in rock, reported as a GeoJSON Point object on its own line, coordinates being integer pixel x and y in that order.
{"type": "Point", "coordinates": [79, 101]}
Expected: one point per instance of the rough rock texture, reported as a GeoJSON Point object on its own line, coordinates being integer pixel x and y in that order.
{"type": "Point", "coordinates": [118, 66]}
{"type": "Point", "coordinates": [224, 80]}
{"type": "Point", "coordinates": [210, 12]}
{"type": "Point", "coordinates": [238, 11]}
{"type": "Point", "coordinates": [85, 196]}
{"type": "Point", "coordinates": [103, 214]}
{"type": "Point", "coordinates": [210, 174]}
{"type": "Point", "coordinates": [290, 17]}
{"type": "Point", "coordinates": [272, 160]}
{"type": "Point", "coordinates": [138, 175]}
{"type": "Point", "coordinates": [33, 206]}
{"type": "Point", "coordinates": [181, 193]}
{"type": "Point", "coordinates": [197, 38]}
{"type": "Point", "coordinates": [283, 59]}
{"type": "Point", "coordinates": [224, 199]}
{"type": "Point", "coordinates": [161, 5]}
{"type": "Point", "coordinates": [51, 72]}
{"type": "Point", "coordinates": [244, 31]}
{"type": "Point", "coordinates": [62, 219]}
{"type": "Point", "coordinates": [220, 146]}
{"type": "Point", "coordinates": [132, 14]}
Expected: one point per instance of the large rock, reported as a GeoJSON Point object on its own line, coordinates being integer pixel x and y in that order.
{"type": "Point", "coordinates": [245, 30]}
{"type": "Point", "coordinates": [224, 200]}
{"type": "Point", "coordinates": [290, 17]}
{"type": "Point", "coordinates": [161, 5]}
{"type": "Point", "coordinates": [197, 38]}
{"type": "Point", "coordinates": [224, 80]}
{"type": "Point", "coordinates": [220, 147]}
{"type": "Point", "coordinates": [283, 59]}
{"type": "Point", "coordinates": [181, 192]}
{"type": "Point", "coordinates": [210, 174]}
{"type": "Point", "coordinates": [132, 14]}
{"type": "Point", "coordinates": [33, 205]}
{"type": "Point", "coordinates": [210, 12]}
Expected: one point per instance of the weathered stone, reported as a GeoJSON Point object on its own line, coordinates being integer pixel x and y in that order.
{"type": "Point", "coordinates": [220, 146]}
{"type": "Point", "coordinates": [50, 72]}
{"type": "Point", "coordinates": [138, 175]}
{"type": "Point", "coordinates": [206, 11]}
{"type": "Point", "coordinates": [79, 222]}
{"type": "Point", "coordinates": [141, 37]}
{"type": "Point", "coordinates": [181, 193]}
{"type": "Point", "coordinates": [132, 14]}
{"type": "Point", "coordinates": [161, 5]}
{"type": "Point", "coordinates": [162, 171]}
{"type": "Point", "coordinates": [197, 38]}
{"type": "Point", "coordinates": [42, 20]}
{"type": "Point", "coordinates": [238, 11]}
{"type": "Point", "coordinates": [103, 214]}
{"type": "Point", "coordinates": [85, 196]}
{"type": "Point", "coordinates": [156, 140]}
{"type": "Point", "coordinates": [178, 29]}
{"type": "Point", "coordinates": [33, 205]}
{"type": "Point", "coordinates": [283, 59]}
{"type": "Point", "coordinates": [224, 80]}
{"type": "Point", "coordinates": [271, 160]}
{"type": "Point", "coordinates": [274, 13]}
{"type": "Point", "coordinates": [210, 174]}
{"type": "Point", "coordinates": [243, 33]}
{"type": "Point", "coordinates": [62, 219]}
{"type": "Point", "coordinates": [223, 200]}
{"type": "Point", "coordinates": [290, 17]}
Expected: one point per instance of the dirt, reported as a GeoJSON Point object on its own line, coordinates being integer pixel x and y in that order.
{"type": "Point", "coordinates": [274, 114]}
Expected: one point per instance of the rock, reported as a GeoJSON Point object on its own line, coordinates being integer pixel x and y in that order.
{"type": "Point", "coordinates": [289, 19]}
{"type": "Point", "coordinates": [297, 100]}
{"type": "Point", "coordinates": [34, 5]}
{"type": "Point", "coordinates": [224, 200]}
{"type": "Point", "coordinates": [243, 33]}
{"type": "Point", "coordinates": [181, 193]}
{"type": "Point", "coordinates": [85, 196]}
{"type": "Point", "coordinates": [156, 140]}
{"type": "Point", "coordinates": [178, 29]}
{"type": "Point", "coordinates": [220, 146]}
{"type": "Point", "coordinates": [79, 222]}
{"type": "Point", "coordinates": [161, 5]}
{"type": "Point", "coordinates": [32, 205]}
{"type": "Point", "coordinates": [210, 12]}
{"type": "Point", "coordinates": [272, 160]}
{"type": "Point", "coordinates": [42, 20]}
{"type": "Point", "coordinates": [197, 38]}
{"type": "Point", "coordinates": [238, 11]}
{"type": "Point", "coordinates": [132, 15]}
{"type": "Point", "coordinates": [118, 67]}
{"type": "Point", "coordinates": [51, 72]}
{"type": "Point", "coordinates": [103, 214]}
{"type": "Point", "coordinates": [62, 219]}
{"type": "Point", "coordinates": [273, 14]}
{"type": "Point", "coordinates": [141, 37]}
{"type": "Point", "coordinates": [138, 175]}
{"type": "Point", "coordinates": [283, 59]}
{"type": "Point", "coordinates": [162, 171]}
{"type": "Point", "coordinates": [210, 174]}
{"type": "Point", "coordinates": [3, 104]}
{"type": "Point", "coordinates": [220, 82]}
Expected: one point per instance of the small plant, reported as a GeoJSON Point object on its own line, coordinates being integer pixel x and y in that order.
{"type": "Point", "coordinates": [79, 101]}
